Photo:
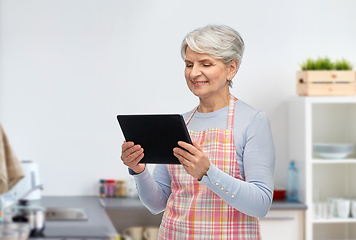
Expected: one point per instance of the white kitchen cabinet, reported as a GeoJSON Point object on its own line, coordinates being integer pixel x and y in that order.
{"type": "Point", "coordinates": [282, 225]}
{"type": "Point", "coordinates": [330, 120]}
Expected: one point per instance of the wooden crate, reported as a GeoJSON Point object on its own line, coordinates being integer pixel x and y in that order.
{"type": "Point", "coordinates": [326, 83]}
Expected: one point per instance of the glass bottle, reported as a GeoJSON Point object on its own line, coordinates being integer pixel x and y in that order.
{"type": "Point", "coordinates": [292, 183]}
{"type": "Point", "coordinates": [121, 189]}
{"type": "Point", "coordinates": [110, 188]}
{"type": "Point", "coordinates": [102, 188]}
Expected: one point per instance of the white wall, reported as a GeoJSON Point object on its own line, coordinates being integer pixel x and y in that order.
{"type": "Point", "coordinates": [68, 67]}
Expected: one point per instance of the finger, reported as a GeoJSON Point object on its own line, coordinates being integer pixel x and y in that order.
{"type": "Point", "coordinates": [136, 162]}
{"type": "Point", "coordinates": [196, 145]}
{"type": "Point", "coordinates": [131, 153]}
{"type": "Point", "coordinates": [190, 148]}
{"type": "Point", "coordinates": [127, 145]}
{"type": "Point", "coordinates": [183, 153]}
{"type": "Point", "coordinates": [134, 155]}
{"type": "Point", "coordinates": [183, 161]}
{"type": "Point", "coordinates": [131, 149]}
{"type": "Point", "coordinates": [138, 159]}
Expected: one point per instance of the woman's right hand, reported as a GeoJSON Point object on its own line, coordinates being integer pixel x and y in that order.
{"type": "Point", "coordinates": [131, 155]}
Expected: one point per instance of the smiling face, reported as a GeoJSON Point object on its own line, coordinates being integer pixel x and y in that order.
{"type": "Point", "coordinates": [207, 76]}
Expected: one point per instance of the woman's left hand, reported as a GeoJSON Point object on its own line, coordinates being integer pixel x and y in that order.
{"type": "Point", "coordinates": [193, 159]}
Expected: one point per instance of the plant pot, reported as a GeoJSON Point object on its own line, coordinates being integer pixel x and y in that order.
{"type": "Point", "coordinates": [326, 83]}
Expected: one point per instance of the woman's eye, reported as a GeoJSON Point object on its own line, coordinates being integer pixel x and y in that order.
{"type": "Point", "coordinates": [189, 65]}
{"type": "Point", "coordinates": [206, 64]}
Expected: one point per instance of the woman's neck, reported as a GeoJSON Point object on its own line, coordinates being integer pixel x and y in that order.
{"type": "Point", "coordinates": [207, 105]}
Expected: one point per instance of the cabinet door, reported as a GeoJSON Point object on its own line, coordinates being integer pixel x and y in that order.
{"type": "Point", "coordinates": [282, 225]}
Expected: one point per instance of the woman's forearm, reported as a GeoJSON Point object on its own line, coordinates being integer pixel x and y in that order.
{"type": "Point", "coordinates": [150, 192]}
{"type": "Point", "coordinates": [251, 198]}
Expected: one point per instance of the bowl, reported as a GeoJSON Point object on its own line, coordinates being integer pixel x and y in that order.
{"type": "Point", "coordinates": [279, 194]}
{"type": "Point", "coordinates": [333, 150]}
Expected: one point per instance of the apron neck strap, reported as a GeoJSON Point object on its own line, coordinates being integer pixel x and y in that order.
{"type": "Point", "coordinates": [230, 114]}
{"type": "Point", "coordinates": [191, 115]}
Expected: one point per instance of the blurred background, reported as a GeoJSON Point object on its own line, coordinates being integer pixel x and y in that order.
{"type": "Point", "coordinates": [67, 68]}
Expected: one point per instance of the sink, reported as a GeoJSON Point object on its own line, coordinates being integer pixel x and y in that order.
{"type": "Point", "coordinates": [66, 214]}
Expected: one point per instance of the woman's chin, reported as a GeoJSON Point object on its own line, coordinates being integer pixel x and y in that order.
{"type": "Point", "coordinates": [198, 93]}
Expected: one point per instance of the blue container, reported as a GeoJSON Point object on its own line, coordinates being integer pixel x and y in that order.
{"type": "Point", "coordinates": [292, 183]}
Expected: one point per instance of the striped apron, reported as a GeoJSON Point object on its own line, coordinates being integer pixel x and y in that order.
{"type": "Point", "coordinates": [193, 211]}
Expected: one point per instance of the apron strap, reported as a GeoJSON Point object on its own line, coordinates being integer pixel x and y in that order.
{"type": "Point", "coordinates": [230, 115]}
{"type": "Point", "coordinates": [191, 115]}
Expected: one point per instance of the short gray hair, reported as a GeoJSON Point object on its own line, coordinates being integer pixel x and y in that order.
{"type": "Point", "coordinates": [219, 41]}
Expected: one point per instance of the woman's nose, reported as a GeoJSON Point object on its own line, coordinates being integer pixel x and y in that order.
{"type": "Point", "coordinates": [195, 72]}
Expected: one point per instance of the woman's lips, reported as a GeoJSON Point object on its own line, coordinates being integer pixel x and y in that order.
{"type": "Point", "coordinates": [200, 83]}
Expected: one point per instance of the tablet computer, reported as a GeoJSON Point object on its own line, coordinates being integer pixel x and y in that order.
{"type": "Point", "coordinates": [157, 134]}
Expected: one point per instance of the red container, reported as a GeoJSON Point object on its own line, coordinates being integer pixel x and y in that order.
{"type": "Point", "coordinates": [110, 188]}
{"type": "Point", "coordinates": [279, 194]}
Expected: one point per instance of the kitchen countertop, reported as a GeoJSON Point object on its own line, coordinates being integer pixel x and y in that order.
{"type": "Point", "coordinates": [287, 205]}
{"type": "Point", "coordinates": [135, 203]}
{"type": "Point", "coordinates": [98, 224]}
{"type": "Point", "coordinates": [128, 203]}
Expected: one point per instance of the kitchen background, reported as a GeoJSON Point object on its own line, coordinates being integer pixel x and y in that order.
{"type": "Point", "coordinates": [67, 68]}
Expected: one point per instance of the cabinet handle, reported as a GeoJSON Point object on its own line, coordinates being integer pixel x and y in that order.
{"type": "Point", "coordinates": [277, 218]}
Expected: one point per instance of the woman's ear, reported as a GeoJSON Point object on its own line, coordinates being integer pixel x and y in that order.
{"type": "Point", "coordinates": [233, 66]}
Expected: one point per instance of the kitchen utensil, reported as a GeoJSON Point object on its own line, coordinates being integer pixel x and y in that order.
{"type": "Point", "coordinates": [343, 207]}
{"type": "Point", "coordinates": [332, 209]}
{"type": "Point", "coordinates": [316, 214]}
{"type": "Point", "coordinates": [30, 180]}
{"type": "Point", "coordinates": [320, 210]}
{"type": "Point", "coordinates": [134, 232]}
{"type": "Point", "coordinates": [323, 210]}
{"type": "Point", "coordinates": [353, 208]}
{"type": "Point", "coordinates": [333, 150]}
{"type": "Point", "coordinates": [23, 212]}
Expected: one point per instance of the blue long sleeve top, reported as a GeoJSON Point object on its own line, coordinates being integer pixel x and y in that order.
{"type": "Point", "coordinates": [256, 159]}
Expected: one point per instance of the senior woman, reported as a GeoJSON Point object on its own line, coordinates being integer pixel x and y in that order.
{"type": "Point", "coordinates": [225, 180]}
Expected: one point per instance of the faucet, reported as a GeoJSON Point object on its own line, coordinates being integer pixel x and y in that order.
{"type": "Point", "coordinates": [40, 186]}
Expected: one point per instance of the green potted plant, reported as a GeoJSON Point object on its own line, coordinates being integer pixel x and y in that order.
{"type": "Point", "coordinates": [343, 65]}
{"type": "Point", "coordinates": [323, 77]}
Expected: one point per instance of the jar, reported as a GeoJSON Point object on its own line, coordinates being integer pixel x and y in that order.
{"type": "Point", "coordinates": [121, 189]}
{"type": "Point", "coordinates": [23, 212]}
{"type": "Point", "coordinates": [102, 188]}
{"type": "Point", "coordinates": [110, 188]}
